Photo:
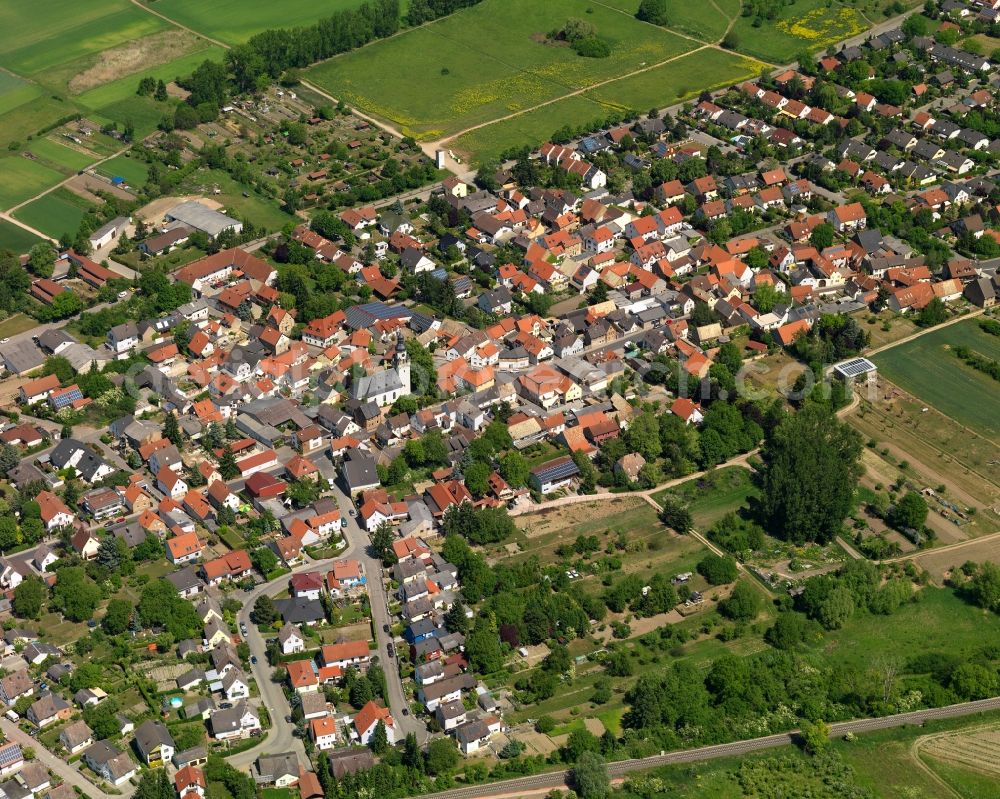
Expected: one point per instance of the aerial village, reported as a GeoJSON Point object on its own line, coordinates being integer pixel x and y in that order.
{"type": "Point", "coordinates": [265, 473]}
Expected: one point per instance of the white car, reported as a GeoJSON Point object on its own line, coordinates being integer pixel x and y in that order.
{"type": "Point", "coordinates": [4, 340]}
{"type": "Point", "coordinates": [122, 295]}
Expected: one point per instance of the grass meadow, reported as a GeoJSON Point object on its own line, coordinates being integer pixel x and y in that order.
{"type": "Point", "coordinates": [660, 86]}
{"type": "Point", "coordinates": [927, 368]}
{"type": "Point", "coordinates": [59, 156]}
{"type": "Point", "coordinates": [803, 25]}
{"type": "Point", "coordinates": [485, 62]}
{"type": "Point", "coordinates": [706, 21]}
{"type": "Point", "coordinates": [15, 92]}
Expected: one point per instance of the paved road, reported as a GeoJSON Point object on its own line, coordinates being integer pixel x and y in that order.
{"type": "Point", "coordinates": [557, 779]}
{"type": "Point", "coordinates": [280, 738]}
{"type": "Point", "coordinates": [59, 766]}
{"type": "Point", "coordinates": [357, 547]}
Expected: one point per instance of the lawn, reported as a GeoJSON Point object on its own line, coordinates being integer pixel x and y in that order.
{"type": "Point", "coordinates": [134, 170]}
{"type": "Point", "coordinates": [56, 213]}
{"type": "Point", "coordinates": [707, 21]}
{"type": "Point", "coordinates": [59, 156]}
{"type": "Point", "coordinates": [711, 497]}
{"type": "Point", "coordinates": [24, 178]}
{"type": "Point", "coordinates": [926, 368]}
{"type": "Point", "coordinates": [485, 62]}
{"type": "Point", "coordinates": [17, 240]}
{"type": "Point", "coordinates": [802, 25]}
{"type": "Point", "coordinates": [235, 21]}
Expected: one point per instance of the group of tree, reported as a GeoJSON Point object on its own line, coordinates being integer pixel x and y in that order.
{"type": "Point", "coordinates": [484, 525]}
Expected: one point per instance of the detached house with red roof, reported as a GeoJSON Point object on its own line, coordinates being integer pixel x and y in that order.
{"type": "Point", "coordinates": [367, 719]}
{"type": "Point", "coordinates": [183, 549]}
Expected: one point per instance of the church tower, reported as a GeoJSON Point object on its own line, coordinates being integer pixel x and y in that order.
{"type": "Point", "coordinates": [402, 363]}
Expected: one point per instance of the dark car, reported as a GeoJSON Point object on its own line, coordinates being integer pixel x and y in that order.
{"type": "Point", "coordinates": [385, 628]}
{"type": "Point", "coordinates": [406, 711]}
{"type": "Point", "coordinates": [391, 650]}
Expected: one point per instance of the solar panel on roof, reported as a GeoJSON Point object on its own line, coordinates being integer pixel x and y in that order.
{"type": "Point", "coordinates": [558, 471]}
{"type": "Point", "coordinates": [858, 366]}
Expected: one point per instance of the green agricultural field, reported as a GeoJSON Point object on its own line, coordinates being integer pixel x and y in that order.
{"type": "Point", "coordinates": [486, 62]}
{"type": "Point", "coordinates": [23, 178]}
{"type": "Point", "coordinates": [235, 21]}
{"type": "Point", "coordinates": [28, 118]}
{"type": "Point", "coordinates": [926, 368]}
{"type": "Point", "coordinates": [59, 156]}
{"type": "Point", "coordinates": [803, 25]}
{"type": "Point", "coordinates": [133, 170]}
{"type": "Point", "coordinates": [15, 92]}
{"type": "Point", "coordinates": [16, 239]}
{"type": "Point", "coordinates": [56, 213]}
{"type": "Point", "coordinates": [40, 36]}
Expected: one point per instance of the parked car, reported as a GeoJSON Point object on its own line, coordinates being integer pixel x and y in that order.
{"type": "Point", "coordinates": [385, 628]}
{"type": "Point", "coordinates": [391, 650]}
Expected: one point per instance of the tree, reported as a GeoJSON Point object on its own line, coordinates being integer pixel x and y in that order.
{"type": "Point", "coordinates": [483, 646]}
{"type": "Point", "coordinates": [590, 776]}
{"type": "Point", "coordinates": [789, 631]}
{"type": "Point", "coordinates": [933, 313]}
{"type": "Point", "coordinates": [984, 586]}
{"type": "Point", "coordinates": [477, 478]}
{"type": "Point", "coordinates": [172, 430]}
{"type": "Point", "coordinates": [716, 569]}
{"type": "Point", "coordinates": [42, 259]}
{"type": "Point", "coordinates": [514, 469]}
{"type": "Point", "coordinates": [264, 560]}
{"type": "Point", "coordinates": [653, 11]}
{"type": "Point", "coordinates": [160, 93]}
{"type": "Point", "coordinates": [117, 616]}
{"type": "Point", "coordinates": [915, 25]}
{"type": "Point", "coordinates": [382, 540]}
{"type": "Point", "coordinates": [811, 466]}
{"type": "Point", "coordinates": [112, 553]}
{"type": "Point", "coordinates": [909, 513]}
{"type": "Point", "coordinates": [75, 594]}
{"type": "Point", "coordinates": [836, 609]}
{"type": "Point", "coordinates": [822, 236]}
{"type": "Point", "coordinates": [974, 681]}
{"type": "Point", "coordinates": [28, 598]}
{"type": "Point", "coordinates": [743, 603]}
{"type": "Point", "coordinates": [228, 467]}
{"type": "Point", "coordinates": [455, 620]}
{"type": "Point", "coordinates": [677, 516]}
{"type": "Point", "coordinates": [442, 756]}
{"type": "Point", "coordinates": [264, 612]}
{"type": "Point", "coordinates": [379, 742]}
